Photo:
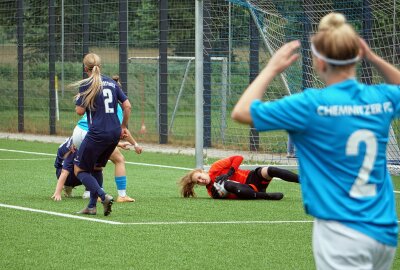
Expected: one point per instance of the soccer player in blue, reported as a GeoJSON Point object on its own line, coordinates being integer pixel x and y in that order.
{"type": "Point", "coordinates": [340, 133]}
{"type": "Point", "coordinates": [98, 97]}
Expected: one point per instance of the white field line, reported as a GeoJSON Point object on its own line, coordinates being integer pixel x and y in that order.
{"type": "Point", "coordinates": [26, 152]}
{"type": "Point", "coordinates": [127, 162]}
{"type": "Point", "coordinates": [58, 214]}
{"type": "Point", "coordinates": [23, 159]}
{"type": "Point", "coordinates": [150, 223]}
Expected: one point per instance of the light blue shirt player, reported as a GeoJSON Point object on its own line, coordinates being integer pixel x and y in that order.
{"type": "Point", "coordinates": [340, 134]}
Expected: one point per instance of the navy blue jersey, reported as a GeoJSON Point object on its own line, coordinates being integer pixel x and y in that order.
{"type": "Point", "coordinates": [104, 126]}
{"type": "Point", "coordinates": [341, 133]}
{"type": "Point", "coordinates": [62, 150]}
{"type": "Point", "coordinates": [103, 118]}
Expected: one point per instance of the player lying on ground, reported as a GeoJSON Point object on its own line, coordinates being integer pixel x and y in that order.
{"type": "Point", "coordinates": [226, 180]}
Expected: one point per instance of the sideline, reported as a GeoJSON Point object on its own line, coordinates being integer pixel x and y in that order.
{"type": "Point", "coordinates": [151, 223]}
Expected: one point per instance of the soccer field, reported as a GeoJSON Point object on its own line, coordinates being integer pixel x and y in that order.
{"type": "Point", "coordinates": [160, 230]}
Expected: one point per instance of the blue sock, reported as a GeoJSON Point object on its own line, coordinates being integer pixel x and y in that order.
{"type": "Point", "coordinates": [92, 185]}
{"type": "Point", "coordinates": [99, 177]}
{"type": "Point", "coordinates": [121, 182]}
{"type": "Point", "coordinates": [92, 201]}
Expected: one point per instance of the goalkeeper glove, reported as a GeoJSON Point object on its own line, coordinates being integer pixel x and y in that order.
{"type": "Point", "coordinates": [231, 172]}
{"type": "Point", "coordinates": [220, 190]}
{"type": "Point", "coordinates": [223, 177]}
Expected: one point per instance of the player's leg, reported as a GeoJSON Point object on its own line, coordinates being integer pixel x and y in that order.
{"type": "Point", "coordinates": [246, 192]}
{"type": "Point", "coordinates": [120, 175]}
{"type": "Point", "coordinates": [336, 246]}
{"type": "Point", "coordinates": [84, 163]}
{"type": "Point", "coordinates": [102, 160]}
{"type": "Point", "coordinates": [271, 172]}
{"type": "Point", "coordinates": [77, 137]}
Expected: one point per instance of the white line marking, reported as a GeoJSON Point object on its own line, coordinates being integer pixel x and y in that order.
{"type": "Point", "coordinates": [127, 162]}
{"type": "Point", "coordinates": [26, 152]}
{"type": "Point", "coordinates": [19, 159]}
{"type": "Point", "coordinates": [156, 222]}
{"type": "Point", "coordinates": [160, 166]}
{"type": "Point", "coordinates": [218, 222]}
{"type": "Point", "coordinates": [151, 223]}
{"type": "Point", "coordinates": [60, 214]}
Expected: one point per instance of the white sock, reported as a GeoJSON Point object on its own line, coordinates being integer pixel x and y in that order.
{"type": "Point", "coordinates": [122, 192]}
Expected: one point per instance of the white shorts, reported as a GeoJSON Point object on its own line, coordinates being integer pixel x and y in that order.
{"type": "Point", "coordinates": [336, 246]}
{"type": "Point", "coordinates": [77, 136]}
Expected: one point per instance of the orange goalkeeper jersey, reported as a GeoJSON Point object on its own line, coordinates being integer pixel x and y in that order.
{"type": "Point", "coordinates": [222, 166]}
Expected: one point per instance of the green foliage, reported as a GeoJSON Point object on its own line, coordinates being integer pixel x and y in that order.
{"type": "Point", "coordinates": [144, 24]}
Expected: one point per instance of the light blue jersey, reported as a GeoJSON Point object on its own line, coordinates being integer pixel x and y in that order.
{"type": "Point", "coordinates": [83, 124]}
{"type": "Point", "coordinates": [340, 134]}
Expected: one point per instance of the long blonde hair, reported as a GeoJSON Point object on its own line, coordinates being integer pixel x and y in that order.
{"type": "Point", "coordinates": [187, 184]}
{"type": "Point", "coordinates": [336, 39]}
{"type": "Point", "coordinates": [92, 63]}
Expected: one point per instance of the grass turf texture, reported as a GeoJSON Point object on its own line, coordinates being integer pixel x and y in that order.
{"type": "Point", "coordinates": [41, 241]}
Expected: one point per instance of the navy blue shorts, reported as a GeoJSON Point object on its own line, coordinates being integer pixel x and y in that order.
{"type": "Point", "coordinates": [95, 151]}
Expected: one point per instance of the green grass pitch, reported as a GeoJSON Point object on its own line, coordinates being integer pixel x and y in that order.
{"type": "Point", "coordinates": [160, 230]}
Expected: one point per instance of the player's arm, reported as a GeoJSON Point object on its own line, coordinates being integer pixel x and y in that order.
{"type": "Point", "coordinates": [80, 110]}
{"type": "Point", "coordinates": [236, 161]}
{"type": "Point", "coordinates": [281, 60]}
{"type": "Point", "coordinates": [387, 70]}
{"type": "Point", "coordinates": [60, 184]}
{"type": "Point", "coordinates": [224, 165]}
{"type": "Point", "coordinates": [132, 141]}
{"type": "Point", "coordinates": [126, 107]}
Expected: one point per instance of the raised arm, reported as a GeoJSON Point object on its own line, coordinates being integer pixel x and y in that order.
{"type": "Point", "coordinates": [281, 60]}
{"type": "Point", "coordinates": [387, 70]}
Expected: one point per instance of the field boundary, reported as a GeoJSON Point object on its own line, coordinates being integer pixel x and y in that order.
{"type": "Point", "coordinates": [21, 208]}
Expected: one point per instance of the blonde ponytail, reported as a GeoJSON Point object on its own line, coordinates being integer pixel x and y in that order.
{"type": "Point", "coordinates": [92, 63]}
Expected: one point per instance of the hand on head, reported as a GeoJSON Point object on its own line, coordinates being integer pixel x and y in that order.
{"type": "Point", "coordinates": [284, 56]}
{"type": "Point", "coordinates": [365, 50]}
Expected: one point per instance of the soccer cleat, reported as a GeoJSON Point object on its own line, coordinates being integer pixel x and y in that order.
{"type": "Point", "coordinates": [107, 203]}
{"type": "Point", "coordinates": [86, 194]}
{"type": "Point", "coordinates": [276, 196]}
{"type": "Point", "coordinates": [68, 191]}
{"type": "Point", "coordinates": [125, 199]}
{"type": "Point", "coordinates": [88, 211]}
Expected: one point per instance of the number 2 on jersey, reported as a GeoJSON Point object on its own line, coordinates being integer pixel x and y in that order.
{"type": "Point", "coordinates": [108, 98]}
{"type": "Point", "coordinates": [360, 187]}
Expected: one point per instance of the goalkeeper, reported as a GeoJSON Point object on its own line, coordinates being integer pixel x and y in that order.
{"type": "Point", "coordinates": [226, 180]}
